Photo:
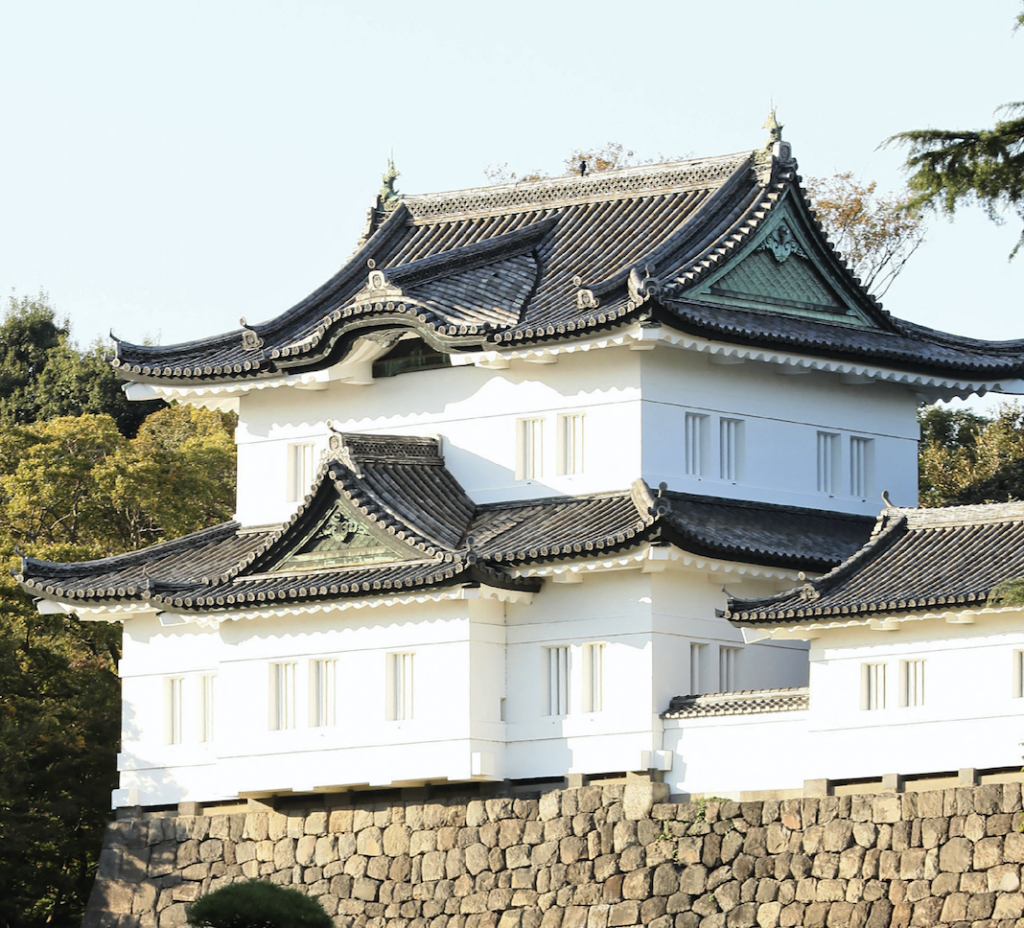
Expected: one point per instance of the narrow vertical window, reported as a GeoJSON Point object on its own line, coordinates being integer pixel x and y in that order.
{"type": "Point", "coordinates": [322, 675]}
{"type": "Point", "coordinates": [911, 683]}
{"type": "Point", "coordinates": [593, 677]}
{"type": "Point", "coordinates": [861, 466]}
{"type": "Point", "coordinates": [698, 674]}
{"type": "Point", "coordinates": [558, 680]}
{"type": "Point", "coordinates": [399, 683]}
{"type": "Point", "coordinates": [727, 680]}
{"type": "Point", "coordinates": [570, 444]}
{"type": "Point", "coordinates": [206, 685]}
{"type": "Point", "coordinates": [828, 463]}
{"type": "Point", "coordinates": [872, 688]}
{"type": "Point", "coordinates": [695, 444]}
{"type": "Point", "coordinates": [730, 435]}
{"type": "Point", "coordinates": [529, 449]}
{"type": "Point", "coordinates": [300, 470]}
{"type": "Point", "coordinates": [174, 689]}
{"type": "Point", "coordinates": [1018, 674]}
{"type": "Point", "coordinates": [282, 695]}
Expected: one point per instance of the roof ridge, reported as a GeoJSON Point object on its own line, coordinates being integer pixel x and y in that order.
{"type": "Point", "coordinates": [599, 185]}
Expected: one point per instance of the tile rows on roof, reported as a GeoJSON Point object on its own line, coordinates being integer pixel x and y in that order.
{"type": "Point", "coordinates": [917, 560]}
{"type": "Point", "coordinates": [744, 702]}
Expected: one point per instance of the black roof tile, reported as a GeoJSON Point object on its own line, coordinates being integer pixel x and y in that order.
{"type": "Point", "coordinates": [916, 560]}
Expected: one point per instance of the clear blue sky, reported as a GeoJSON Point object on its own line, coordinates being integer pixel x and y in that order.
{"type": "Point", "coordinates": [168, 167]}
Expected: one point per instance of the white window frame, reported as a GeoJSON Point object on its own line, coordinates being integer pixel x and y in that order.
{"type": "Point", "coordinates": [829, 457]}
{"type": "Point", "coordinates": [323, 692]}
{"type": "Point", "coordinates": [873, 685]}
{"type": "Point", "coordinates": [912, 687]}
{"type": "Point", "coordinates": [174, 699]}
{"type": "Point", "coordinates": [301, 469]}
{"type": "Point", "coordinates": [282, 695]}
{"type": "Point", "coordinates": [530, 448]}
{"type": "Point", "coordinates": [730, 449]}
{"type": "Point", "coordinates": [593, 676]}
{"type": "Point", "coordinates": [698, 668]}
{"type": "Point", "coordinates": [728, 662]}
{"type": "Point", "coordinates": [205, 687]}
{"type": "Point", "coordinates": [400, 684]}
{"type": "Point", "coordinates": [570, 443]}
{"type": "Point", "coordinates": [696, 450]}
{"type": "Point", "coordinates": [557, 677]}
{"type": "Point", "coordinates": [862, 466]}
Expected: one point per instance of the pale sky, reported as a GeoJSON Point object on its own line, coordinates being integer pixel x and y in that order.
{"type": "Point", "coordinates": [167, 167]}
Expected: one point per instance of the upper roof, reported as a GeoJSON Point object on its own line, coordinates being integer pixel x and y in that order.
{"type": "Point", "coordinates": [916, 559]}
{"type": "Point", "coordinates": [724, 247]}
{"type": "Point", "coordinates": [386, 515]}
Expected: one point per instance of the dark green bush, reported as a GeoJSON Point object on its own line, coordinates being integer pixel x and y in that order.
{"type": "Point", "coordinates": [255, 904]}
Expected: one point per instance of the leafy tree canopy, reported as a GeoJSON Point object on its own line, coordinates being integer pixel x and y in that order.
{"type": "Point", "coordinates": [255, 904]}
{"type": "Point", "coordinates": [43, 375]}
{"type": "Point", "coordinates": [75, 488]}
{"type": "Point", "coordinates": [608, 157]}
{"type": "Point", "coordinates": [876, 233]}
{"type": "Point", "coordinates": [966, 458]}
{"type": "Point", "coordinates": [950, 168]}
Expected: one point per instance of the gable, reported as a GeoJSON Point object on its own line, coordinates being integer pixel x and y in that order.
{"type": "Point", "coordinates": [338, 538]}
{"type": "Point", "coordinates": [787, 268]}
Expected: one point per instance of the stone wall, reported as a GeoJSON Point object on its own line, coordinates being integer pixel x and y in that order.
{"type": "Point", "coordinates": [607, 856]}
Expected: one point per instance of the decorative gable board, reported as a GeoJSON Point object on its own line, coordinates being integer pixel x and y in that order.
{"type": "Point", "coordinates": [785, 268]}
{"type": "Point", "coordinates": [339, 538]}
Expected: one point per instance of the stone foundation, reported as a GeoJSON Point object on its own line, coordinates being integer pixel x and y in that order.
{"type": "Point", "coordinates": [607, 856]}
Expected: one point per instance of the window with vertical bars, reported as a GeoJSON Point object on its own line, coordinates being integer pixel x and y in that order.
{"type": "Point", "coordinates": [282, 696]}
{"type": "Point", "coordinates": [529, 449]}
{"type": "Point", "coordinates": [872, 688]}
{"type": "Point", "coordinates": [828, 463]}
{"type": "Point", "coordinates": [730, 435]}
{"type": "Point", "coordinates": [1018, 674]}
{"type": "Point", "coordinates": [727, 679]}
{"type": "Point", "coordinates": [695, 444]}
{"type": "Point", "coordinates": [593, 677]}
{"type": "Point", "coordinates": [558, 680]}
{"type": "Point", "coordinates": [860, 466]}
{"type": "Point", "coordinates": [400, 683]}
{"type": "Point", "coordinates": [322, 675]}
{"type": "Point", "coordinates": [301, 470]}
{"type": "Point", "coordinates": [698, 682]}
{"type": "Point", "coordinates": [911, 683]}
{"type": "Point", "coordinates": [174, 688]}
{"type": "Point", "coordinates": [570, 443]}
{"type": "Point", "coordinates": [206, 685]}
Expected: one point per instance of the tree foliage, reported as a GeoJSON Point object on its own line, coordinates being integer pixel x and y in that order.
{"type": "Point", "coordinates": [75, 488]}
{"type": "Point", "coordinates": [951, 168]}
{"type": "Point", "coordinates": [608, 157]}
{"type": "Point", "coordinates": [256, 904]}
{"type": "Point", "coordinates": [966, 458]}
{"type": "Point", "coordinates": [876, 233]}
{"type": "Point", "coordinates": [43, 375]}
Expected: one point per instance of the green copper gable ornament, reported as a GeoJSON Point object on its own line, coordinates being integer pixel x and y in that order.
{"type": "Point", "coordinates": [774, 144]}
{"type": "Point", "coordinates": [389, 198]}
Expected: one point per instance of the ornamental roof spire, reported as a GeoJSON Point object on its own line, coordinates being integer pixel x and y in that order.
{"type": "Point", "coordinates": [774, 128]}
{"type": "Point", "coordinates": [389, 198]}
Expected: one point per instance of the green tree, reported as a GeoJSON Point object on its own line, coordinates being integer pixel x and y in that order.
{"type": "Point", "coordinates": [44, 376]}
{"type": "Point", "coordinates": [876, 233]}
{"type": "Point", "coordinates": [74, 488]}
{"type": "Point", "coordinates": [951, 168]}
{"type": "Point", "coordinates": [966, 458]}
{"type": "Point", "coordinates": [255, 904]}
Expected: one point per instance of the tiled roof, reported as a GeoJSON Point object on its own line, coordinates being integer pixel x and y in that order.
{"type": "Point", "coordinates": [555, 259]}
{"type": "Point", "coordinates": [744, 702]}
{"type": "Point", "coordinates": [916, 560]}
{"type": "Point", "coordinates": [423, 531]}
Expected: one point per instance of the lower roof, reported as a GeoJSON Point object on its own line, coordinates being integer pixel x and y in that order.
{"type": "Point", "coordinates": [916, 559]}
{"type": "Point", "coordinates": [385, 515]}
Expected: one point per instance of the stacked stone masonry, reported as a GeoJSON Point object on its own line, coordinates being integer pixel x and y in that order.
{"type": "Point", "coordinates": [609, 856]}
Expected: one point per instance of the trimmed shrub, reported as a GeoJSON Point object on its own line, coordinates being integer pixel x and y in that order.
{"type": "Point", "coordinates": [256, 904]}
